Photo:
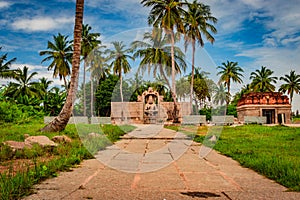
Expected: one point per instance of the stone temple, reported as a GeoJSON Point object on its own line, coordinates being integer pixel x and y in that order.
{"type": "Point", "coordinates": [273, 106]}
{"type": "Point", "coordinates": [149, 109]}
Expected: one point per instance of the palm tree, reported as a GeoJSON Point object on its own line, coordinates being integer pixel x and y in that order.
{"type": "Point", "coordinates": [89, 41]}
{"type": "Point", "coordinates": [23, 85]}
{"type": "Point", "coordinates": [220, 95]}
{"type": "Point", "coordinates": [155, 54]}
{"type": "Point", "coordinates": [230, 71]}
{"type": "Point", "coordinates": [60, 54]}
{"type": "Point", "coordinates": [99, 69]}
{"type": "Point", "coordinates": [5, 72]}
{"type": "Point", "coordinates": [120, 64]}
{"type": "Point", "coordinates": [262, 80]}
{"type": "Point", "coordinates": [197, 22]}
{"type": "Point", "coordinates": [291, 85]}
{"type": "Point", "coordinates": [167, 14]}
{"type": "Point", "coordinates": [59, 123]}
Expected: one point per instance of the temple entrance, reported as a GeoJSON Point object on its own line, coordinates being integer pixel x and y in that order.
{"type": "Point", "coordinates": [270, 115]}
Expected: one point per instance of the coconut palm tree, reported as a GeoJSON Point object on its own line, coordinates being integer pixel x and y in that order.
{"type": "Point", "coordinates": [119, 56]}
{"type": "Point", "coordinates": [291, 85]}
{"type": "Point", "coordinates": [198, 21]}
{"type": "Point", "coordinates": [99, 69]}
{"type": "Point", "coordinates": [60, 54]}
{"type": "Point", "coordinates": [262, 80]}
{"type": "Point", "coordinates": [167, 14]}
{"type": "Point", "coordinates": [23, 85]}
{"type": "Point", "coordinates": [89, 41]}
{"type": "Point", "coordinates": [5, 72]}
{"type": "Point", "coordinates": [230, 71]}
{"type": "Point", "coordinates": [220, 95]}
{"type": "Point", "coordinates": [155, 54]}
{"type": "Point", "coordinates": [59, 123]}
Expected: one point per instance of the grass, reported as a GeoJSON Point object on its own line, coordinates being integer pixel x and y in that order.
{"type": "Point", "coordinates": [17, 180]}
{"type": "Point", "coordinates": [271, 151]}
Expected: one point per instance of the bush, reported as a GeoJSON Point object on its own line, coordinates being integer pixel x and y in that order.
{"type": "Point", "coordinates": [17, 113]}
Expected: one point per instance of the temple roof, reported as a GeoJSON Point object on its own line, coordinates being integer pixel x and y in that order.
{"type": "Point", "coordinates": [265, 98]}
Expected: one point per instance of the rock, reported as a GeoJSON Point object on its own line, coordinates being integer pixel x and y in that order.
{"type": "Point", "coordinates": [40, 140]}
{"type": "Point", "coordinates": [93, 135]}
{"type": "Point", "coordinates": [17, 145]}
{"type": "Point", "coordinates": [61, 139]}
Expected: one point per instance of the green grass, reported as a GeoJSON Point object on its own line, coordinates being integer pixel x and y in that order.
{"type": "Point", "coordinates": [46, 162]}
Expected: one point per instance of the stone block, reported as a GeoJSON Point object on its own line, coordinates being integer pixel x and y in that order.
{"type": "Point", "coordinates": [223, 120]}
{"type": "Point", "coordinates": [100, 120]}
{"type": "Point", "coordinates": [254, 119]}
{"type": "Point", "coordinates": [193, 119]}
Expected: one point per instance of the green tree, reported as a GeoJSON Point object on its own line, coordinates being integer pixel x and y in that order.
{"type": "Point", "coordinates": [198, 21]}
{"type": "Point", "coordinates": [60, 54]}
{"type": "Point", "coordinates": [23, 85]}
{"type": "Point", "coordinates": [60, 122]}
{"type": "Point", "coordinates": [230, 71]}
{"type": "Point", "coordinates": [291, 85]}
{"type": "Point", "coordinates": [5, 71]}
{"type": "Point", "coordinates": [167, 14]}
{"type": "Point", "coordinates": [89, 41]}
{"type": "Point", "coordinates": [119, 56]}
{"type": "Point", "coordinates": [262, 80]}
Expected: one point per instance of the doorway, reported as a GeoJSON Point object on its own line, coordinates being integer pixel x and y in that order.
{"type": "Point", "coordinates": [270, 115]}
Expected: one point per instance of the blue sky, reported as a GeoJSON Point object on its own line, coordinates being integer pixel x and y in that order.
{"type": "Point", "coordinates": [253, 33]}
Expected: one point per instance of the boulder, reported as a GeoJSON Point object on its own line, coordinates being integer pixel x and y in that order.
{"type": "Point", "coordinates": [61, 139]}
{"type": "Point", "coordinates": [17, 145]}
{"type": "Point", "coordinates": [40, 140]}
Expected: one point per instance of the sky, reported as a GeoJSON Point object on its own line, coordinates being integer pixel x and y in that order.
{"type": "Point", "coordinates": [253, 33]}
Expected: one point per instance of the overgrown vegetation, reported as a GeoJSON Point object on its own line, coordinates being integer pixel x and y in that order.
{"type": "Point", "coordinates": [21, 169]}
{"type": "Point", "coordinates": [271, 151]}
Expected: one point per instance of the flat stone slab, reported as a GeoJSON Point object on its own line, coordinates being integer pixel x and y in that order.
{"type": "Point", "coordinates": [40, 140]}
{"type": "Point", "coordinates": [223, 120]}
{"type": "Point", "coordinates": [254, 119]}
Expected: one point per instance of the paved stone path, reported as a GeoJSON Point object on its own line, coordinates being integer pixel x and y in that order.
{"type": "Point", "coordinates": [156, 163]}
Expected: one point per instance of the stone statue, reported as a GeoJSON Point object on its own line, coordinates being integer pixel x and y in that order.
{"type": "Point", "coordinates": [150, 107]}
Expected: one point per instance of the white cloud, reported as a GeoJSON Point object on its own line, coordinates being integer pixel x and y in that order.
{"type": "Point", "coordinates": [4, 4]}
{"type": "Point", "coordinates": [41, 23]}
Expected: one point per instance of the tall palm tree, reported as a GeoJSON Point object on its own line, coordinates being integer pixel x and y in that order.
{"type": "Point", "coordinates": [119, 56]}
{"type": "Point", "coordinates": [60, 54]}
{"type": "Point", "coordinates": [99, 69]}
{"type": "Point", "coordinates": [230, 71]}
{"type": "Point", "coordinates": [291, 85]}
{"type": "Point", "coordinates": [262, 80]}
{"type": "Point", "coordinates": [167, 14]}
{"type": "Point", "coordinates": [23, 85]}
{"type": "Point", "coordinates": [89, 41]}
{"type": "Point", "coordinates": [155, 54]}
{"type": "Point", "coordinates": [5, 71]}
{"type": "Point", "coordinates": [60, 122]}
{"type": "Point", "coordinates": [220, 95]}
{"type": "Point", "coordinates": [198, 20]}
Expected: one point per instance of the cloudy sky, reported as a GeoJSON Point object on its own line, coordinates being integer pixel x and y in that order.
{"type": "Point", "coordinates": [253, 33]}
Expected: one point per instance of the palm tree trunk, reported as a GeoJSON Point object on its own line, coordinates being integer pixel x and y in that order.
{"type": "Point", "coordinates": [84, 87]}
{"type": "Point", "coordinates": [192, 78]}
{"type": "Point", "coordinates": [92, 96]}
{"type": "Point", "coordinates": [66, 84]}
{"type": "Point", "coordinates": [173, 91]}
{"type": "Point", "coordinates": [60, 122]}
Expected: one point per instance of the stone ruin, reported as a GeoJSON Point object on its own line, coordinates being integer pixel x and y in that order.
{"type": "Point", "coordinates": [149, 109]}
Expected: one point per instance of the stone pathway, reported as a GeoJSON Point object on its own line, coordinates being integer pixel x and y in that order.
{"type": "Point", "coordinates": [156, 163]}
